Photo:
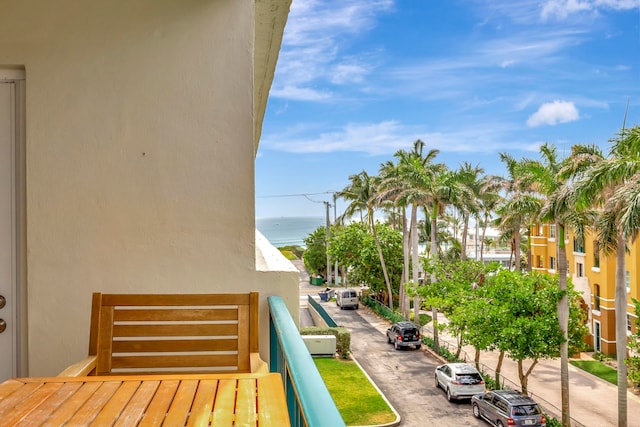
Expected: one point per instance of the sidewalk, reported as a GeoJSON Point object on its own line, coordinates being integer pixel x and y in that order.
{"type": "Point", "coordinates": [593, 401]}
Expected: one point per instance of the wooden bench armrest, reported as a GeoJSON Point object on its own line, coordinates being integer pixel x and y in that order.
{"type": "Point", "coordinates": [81, 368]}
{"type": "Point", "coordinates": [258, 365]}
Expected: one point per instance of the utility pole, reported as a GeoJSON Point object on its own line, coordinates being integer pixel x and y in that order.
{"type": "Point", "coordinates": [327, 205]}
{"type": "Point", "coordinates": [335, 221]}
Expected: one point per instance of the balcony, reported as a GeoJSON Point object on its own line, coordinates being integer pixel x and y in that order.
{"type": "Point", "coordinates": [308, 399]}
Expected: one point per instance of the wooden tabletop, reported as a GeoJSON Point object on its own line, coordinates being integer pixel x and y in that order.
{"type": "Point", "coordinates": [146, 400]}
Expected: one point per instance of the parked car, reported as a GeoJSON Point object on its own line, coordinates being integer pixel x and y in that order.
{"type": "Point", "coordinates": [347, 298]}
{"type": "Point", "coordinates": [459, 380]}
{"type": "Point", "coordinates": [508, 408]}
{"type": "Point", "coordinates": [404, 334]}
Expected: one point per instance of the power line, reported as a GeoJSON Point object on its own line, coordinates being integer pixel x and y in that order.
{"type": "Point", "coordinates": [294, 195]}
{"type": "Point", "coordinates": [305, 195]}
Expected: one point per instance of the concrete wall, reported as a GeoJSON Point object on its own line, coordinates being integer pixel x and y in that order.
{"type": "Point", "coordinates": [139, 156]}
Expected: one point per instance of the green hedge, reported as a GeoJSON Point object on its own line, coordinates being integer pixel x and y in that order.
{"type": "Point", "coordinates": [343, 337]}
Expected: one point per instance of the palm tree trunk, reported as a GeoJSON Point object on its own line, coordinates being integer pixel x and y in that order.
{"type": "Point", "coordinates": [404, 303]}
{"type": "Point", "coordinates": [621, 329]}
{"type": "Point", "coordinates": [434, 254]}
{"type": "Point", "coordinates": [517, 250]}
{"type": "Point", "coordinates": [563, 319]}
{"type": "Point", "coordinates": [414, 261]}
{"type": "Point", "coordinates": [465, 232]}
{"type": "Point", "coordinates": [484, 232]}
{"type": "Point", "coordinates": [383, 265]}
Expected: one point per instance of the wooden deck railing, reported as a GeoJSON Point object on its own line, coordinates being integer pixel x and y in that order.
{"type": "Point", "coordinates": [308, 400]}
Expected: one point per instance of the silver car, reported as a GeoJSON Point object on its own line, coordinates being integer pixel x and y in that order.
{"type": "Point", "coordinates": [508, 408]}
{"type": "Point", "coordinates": [459, 380]}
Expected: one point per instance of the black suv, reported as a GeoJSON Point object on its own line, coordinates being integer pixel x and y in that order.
{"type": "Point", "coordinates": [508, 407]}
{"type": "Point", "coordinates": [404, 334]}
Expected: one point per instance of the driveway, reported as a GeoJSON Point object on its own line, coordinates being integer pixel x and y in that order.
{"type": "Point", "coordinates": [405, 376]}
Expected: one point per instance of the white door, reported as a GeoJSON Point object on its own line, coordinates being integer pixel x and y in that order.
{"type": "Point", "coordinates": [8, 229]}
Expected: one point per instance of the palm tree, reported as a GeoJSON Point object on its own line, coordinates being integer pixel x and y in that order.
{"type": "Point", "coordinates": [442, 187]}
{"type": "Point", "coordinates": [519, 209]}
{"type": "Point", "coordinates": [391, 185]}
{"type": "Point", "coordinates": [547, 179]}
{"type": "Point", "coordinates": [611, 185]}
{"type": "Point", "coordinates": [470, 177]}
{"type": "Point", "coordinates": [362, 194]}
{"type": "Point", "coordinates": [413, 167]}
{"type": "Point", "coordinates": [488, 200]}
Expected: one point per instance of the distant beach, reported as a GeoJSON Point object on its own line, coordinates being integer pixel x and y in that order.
{"type": "Point", "coordinates": [288, 231]}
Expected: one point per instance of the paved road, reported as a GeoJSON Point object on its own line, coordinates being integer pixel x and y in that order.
{"type": "Point", "coordinates": [405, 376]}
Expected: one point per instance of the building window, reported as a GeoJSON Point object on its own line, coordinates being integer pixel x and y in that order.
{"type": "Point", "coordinates": [552, 231]}
{"type": "Point", "coordinates": [578, 245]}
{"type": "Point", "coordinates": [540, 230]}
{"type": "Point", "coordinates": [628, 323]}
{"type": "Point", "coordinates": [579, 269]}
{"type": "Point", "coordinates": [552, 263]}
{"type": "Point", "coordinates": [596, 297]}
{"type": "Point", "coordinates": [596, 254]}
{"type": "Point", "coordinates": [540, 263]}
{"type": "Point", "coordinates": [627, 281]}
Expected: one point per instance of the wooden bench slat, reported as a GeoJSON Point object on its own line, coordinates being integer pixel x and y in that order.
{"type": "Point", "coordinates": [160, 405]}
{"type": "Point", "coordinates": [179, 410]}
{"type": "Point", "coordinates": [86, 413]}
{"type": "Point", "coordinates": [7, 404]}
{"type": "Point", "coordinates": [224, 406]}
{"type": "Point", "coordinates": [174, 330]}
{"type": "Point", "coordinates": [34, 399]}
{"type": "Point", "coordinates": [148, 346]}
{"type": "Point", "coordinates": [68, 409]}
{"type": "Point", "coordinates": [175, 299]}
{"type": "Point", "coordinates": [246, 402]}
{"type": "Point", "coordinates": [117, 403]}
{"type": "Point", "coordinates": [134, 411]}
{"type": "Point", "coordinates": [41, 413]}
{"type": "Point", "coordinates": [149, 362]}
{"type": "Point", "coordinates": [182, 314]}
{"type": "Point", "coordinates": [273, 411]}
{"type": "Point", "coordinates": [203, 403]}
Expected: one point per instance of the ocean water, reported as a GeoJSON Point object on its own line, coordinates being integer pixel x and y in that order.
{"type": "Point", "coordinates": [286, 231]}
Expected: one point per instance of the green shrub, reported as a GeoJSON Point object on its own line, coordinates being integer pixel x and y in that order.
{"type": "Point", "coordinates": [490, 382]}
{"type": "Point", "coordinates": [343, 337]}
{"type": "Point", "coordinates": [601, 357]}
{"type": "Point", "coordinates": [552, 422]}
{"type": "Point", "coordinates": [633, 367]}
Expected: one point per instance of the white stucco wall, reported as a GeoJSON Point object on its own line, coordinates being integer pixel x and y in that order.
{"type": "Point", "coordinates": [140, 156]}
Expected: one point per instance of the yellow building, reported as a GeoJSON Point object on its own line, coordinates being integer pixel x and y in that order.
{"type": "Point", "coordinates": [593, 274]}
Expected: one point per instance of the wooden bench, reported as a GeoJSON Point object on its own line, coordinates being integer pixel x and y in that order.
{"type": "Point", "coordinates": [172, 333]}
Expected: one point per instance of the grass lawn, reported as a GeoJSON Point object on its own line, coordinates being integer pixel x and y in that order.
{"type": "Point", "coordinates": [357, 399]}
{"type": "Point", "coordinates": [598, 369]}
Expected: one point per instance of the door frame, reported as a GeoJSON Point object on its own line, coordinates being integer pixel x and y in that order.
{"type": "Point", "coordinates": [19, 319]}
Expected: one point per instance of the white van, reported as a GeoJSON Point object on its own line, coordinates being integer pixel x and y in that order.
{"type": "Point", "coordinates": [347, 298]}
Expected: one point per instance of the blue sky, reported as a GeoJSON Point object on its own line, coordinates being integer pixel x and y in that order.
{"type": "Point", "coordinates": [358, 80]}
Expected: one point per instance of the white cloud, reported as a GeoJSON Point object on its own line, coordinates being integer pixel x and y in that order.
{"type": "Point", "coordinates": [563, 8]}
{"type": "Point", "coordinates": [387, 137]}
{"type": "Point", "coordinates": [552, 113]}
{"type": "Point", "coordinates": [317, 34]}
{"type": "Point", "coordinates": [300, 93]}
